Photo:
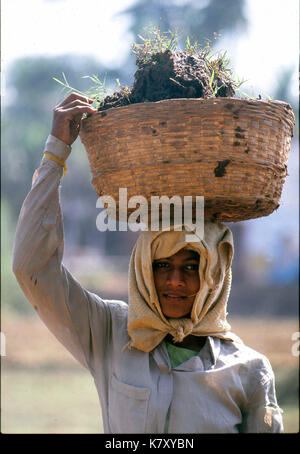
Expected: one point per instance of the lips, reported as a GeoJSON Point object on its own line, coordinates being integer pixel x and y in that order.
{"type": "Point", "coordinates": [173, 296]}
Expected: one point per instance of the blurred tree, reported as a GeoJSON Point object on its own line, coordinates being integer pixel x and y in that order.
{"type": "Point", "coordinates": [12, 299]}
{"type": "Point", "coordinates": [27, 116]}
{"type": "Point", "coordinates": [284, 91]}
{"type": "Point", "coordinates": [201, 20]}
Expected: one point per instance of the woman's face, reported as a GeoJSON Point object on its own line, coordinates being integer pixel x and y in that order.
{"type": "Point", "coordinates": [177, 281]}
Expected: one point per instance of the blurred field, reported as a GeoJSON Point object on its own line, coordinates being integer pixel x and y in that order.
{"type": "Point", "coordinates": [44, 390]}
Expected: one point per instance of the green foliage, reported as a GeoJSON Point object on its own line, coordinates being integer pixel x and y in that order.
{"type": "Point", "coordinates": [191, 48]}
{"type": "Point", "coordinates": [125, 91]}
{"type": "Point", "coordinates": [97, 91]}
{"type": "Point", "coordinates": [287, 386]}
{"type": "Point", "coordinates": [65, 401]}
{"type": "Point", "coordinates": [12, 298]}
{"type": "Point", "coordinates": [155, 42]}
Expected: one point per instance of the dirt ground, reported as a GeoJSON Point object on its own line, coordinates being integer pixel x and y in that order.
{"type": "Point", "coordinates": [28, 341]}
{"type": "Point", "coordinates": [44, 390]}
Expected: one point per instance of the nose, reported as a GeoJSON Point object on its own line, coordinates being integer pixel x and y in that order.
{"type": "Point", "coordinates": [175, 278]}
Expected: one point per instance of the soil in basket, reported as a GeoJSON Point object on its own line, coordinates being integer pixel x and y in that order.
{"type": "Point", "coordinates": [170, 75]}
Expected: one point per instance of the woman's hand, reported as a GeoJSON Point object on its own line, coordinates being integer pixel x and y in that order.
{"type": "Point", "coordinates": [67, 117]}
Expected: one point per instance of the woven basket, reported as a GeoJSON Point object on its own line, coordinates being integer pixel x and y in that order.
{"type": "Point", "coordinates": [232, 151]}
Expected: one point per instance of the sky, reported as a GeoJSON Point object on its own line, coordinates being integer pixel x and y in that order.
{"type": "Point", "coordinates": [271, 42]}
{"type": "Point", "coordinates": [52, 27]}
{"type": "Point", "coordinates": [91, 27]}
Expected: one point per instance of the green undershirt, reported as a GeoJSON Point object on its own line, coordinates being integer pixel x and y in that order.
{"type": "Point", "coordinates": [177, 355]}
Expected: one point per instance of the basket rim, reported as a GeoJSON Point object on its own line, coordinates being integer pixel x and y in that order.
{"type": "Point", "coordinates": [283, 109]}
{"type": "Point", "coordinates": [214, 100]}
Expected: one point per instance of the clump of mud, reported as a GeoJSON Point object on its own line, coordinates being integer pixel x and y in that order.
{"type": "Point", "coordinates": [169, 75]}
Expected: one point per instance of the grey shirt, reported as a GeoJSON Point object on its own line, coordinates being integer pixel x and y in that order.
{"type": "Point", "coordinates": [226, 388]}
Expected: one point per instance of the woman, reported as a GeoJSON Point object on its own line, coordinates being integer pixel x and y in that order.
{"type": "Point", "coordinates": [167, 363]}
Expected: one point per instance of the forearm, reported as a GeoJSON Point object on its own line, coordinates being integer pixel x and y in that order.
{"type": "Point", "coordinates": [65, 307]}
{"type": "Point", "coordinates": [39, 231]}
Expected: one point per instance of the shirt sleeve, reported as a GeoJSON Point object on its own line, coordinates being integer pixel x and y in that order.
{"type": "Point", "coordinates": [79, 319]}
{"type": "Point", "coordinates": [263, 415]}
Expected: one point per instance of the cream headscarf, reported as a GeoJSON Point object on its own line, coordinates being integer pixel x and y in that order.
{"type": "Point", "coordinates": [147, 325]}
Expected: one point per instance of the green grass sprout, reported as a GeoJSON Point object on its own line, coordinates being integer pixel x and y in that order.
{"type": "Point", "coordinates": [97, 91]}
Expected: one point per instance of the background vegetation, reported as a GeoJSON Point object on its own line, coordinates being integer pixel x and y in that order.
{"type": "Point", "coordinates": [43, 389]}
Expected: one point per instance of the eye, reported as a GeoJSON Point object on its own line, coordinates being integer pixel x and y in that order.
{"type": "Point", "coordinates": [160, 265]}
{"type": "Point", "coordinates": [192, 267]}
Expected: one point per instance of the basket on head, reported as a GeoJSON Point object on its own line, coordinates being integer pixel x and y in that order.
{"type": "Point", "coordinates": [232, 151]}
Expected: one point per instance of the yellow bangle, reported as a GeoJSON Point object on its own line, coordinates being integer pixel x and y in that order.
{"type": "Point", "coordinates": [55, 159]}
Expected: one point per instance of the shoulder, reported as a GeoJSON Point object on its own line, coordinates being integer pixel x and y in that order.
{"type": "Point", "coordinates": [117, 308]}
{"type": "Point", "coordinates": [118, 315]}
{"type": "Point", "coordinates": [246, 358]}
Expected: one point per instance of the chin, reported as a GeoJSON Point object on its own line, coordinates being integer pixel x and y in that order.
{"type": "Point", "coordinates": [175, 315]}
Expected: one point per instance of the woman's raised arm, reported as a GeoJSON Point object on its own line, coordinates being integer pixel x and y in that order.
{"type": "Point", "coordinates": [67, 309]}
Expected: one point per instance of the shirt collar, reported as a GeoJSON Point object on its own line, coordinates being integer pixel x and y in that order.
{"type": "Point", "coordinates": [211, 348]}
{"type": "Point", "coordinates": [214, 345]}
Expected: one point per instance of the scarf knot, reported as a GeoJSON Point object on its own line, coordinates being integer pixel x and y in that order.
{"type": "Point", "coordinates": [179, 334]}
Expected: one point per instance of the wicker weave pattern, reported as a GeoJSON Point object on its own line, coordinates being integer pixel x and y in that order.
{"type": "Point", "coordinates": [234, 152]}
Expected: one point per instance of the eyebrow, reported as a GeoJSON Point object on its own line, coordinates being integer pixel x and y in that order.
{"type": "Point", "coordinates": [185, 260]}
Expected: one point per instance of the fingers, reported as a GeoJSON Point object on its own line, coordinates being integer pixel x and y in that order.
{"type": "Point", "coordinates": [71, 112]}
{"type": "Point", "coordinates": [67, 117]}
{"type": "Point", "coordinates": [73, 97]}
{"type": "Point", "coordinates": [75, 107]}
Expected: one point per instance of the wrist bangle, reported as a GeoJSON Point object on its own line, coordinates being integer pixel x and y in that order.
{"type": "Point", "coordinates": [55, 159]}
